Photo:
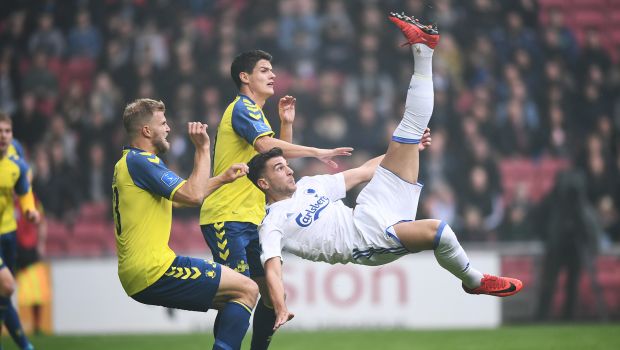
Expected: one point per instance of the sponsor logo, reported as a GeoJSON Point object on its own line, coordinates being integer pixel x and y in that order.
{"type": "Point", "coordinates": [308, 216]}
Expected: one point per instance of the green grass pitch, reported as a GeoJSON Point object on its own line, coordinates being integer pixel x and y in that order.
{"type": "Point", "coordinates": [538, 337]}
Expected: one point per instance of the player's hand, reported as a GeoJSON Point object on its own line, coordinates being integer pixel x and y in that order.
{"type": "Point", "coordinates": [326, 155]}
{"type": "Point", "coordinates": [235, 171]}
{"type": "Point", "coordinates": [425, 142]}
{"type": "Point", "coordinates": [282, 317]}
{"type": "Point", "coordinates": [33, 216]}
{"type": "Point", "coordinates": [286, 109]}
{"type": "Point", "coordinates": [198, 134]}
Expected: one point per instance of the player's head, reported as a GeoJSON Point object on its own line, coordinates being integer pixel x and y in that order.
{"type": "Point", "coordinates": [144, 119]}
{"type": "Point", "coordinates": [270, 172]}
{"type": "Point", "coordinates": [6, 132]}
{"type": "Point", "coordinates": [252, 70]}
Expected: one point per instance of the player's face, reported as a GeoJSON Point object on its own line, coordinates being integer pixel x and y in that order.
{"type": "Point", "coordinates": [262, 79]}
{"type": "Point", "coordinates": [6, 136]}
{"type": "Point", "coordinates": [279, 176]}
{"type": "Point", "coordinates": [160, 129]}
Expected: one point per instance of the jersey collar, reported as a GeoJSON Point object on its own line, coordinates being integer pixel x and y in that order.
{"type": "Point", "coordinates": [246, 96]}
{"type": "Point", "coordinates": [129, 148]}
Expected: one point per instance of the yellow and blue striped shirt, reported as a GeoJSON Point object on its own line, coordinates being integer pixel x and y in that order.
{"type": "Point", "coordinates": [13, 178]}
{"type": "Point", "coordinates": [242, 124]}
{"type": "Point", "coordinates": [142, 190]}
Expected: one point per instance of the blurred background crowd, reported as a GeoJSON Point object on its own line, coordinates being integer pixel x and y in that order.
{"type": "Point", "coordinates": [524, 90]}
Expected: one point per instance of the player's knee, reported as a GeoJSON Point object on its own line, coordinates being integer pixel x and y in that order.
{"type": "Point", "coordinates": [432, 230]}
{"type": "Point", "coordinates": [7, 287]}
{"type": "Point", "coordinates": [249, 292]}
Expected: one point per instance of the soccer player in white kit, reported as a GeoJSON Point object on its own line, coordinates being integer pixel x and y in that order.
{"type": "Point", "coordinates": [308, 218]}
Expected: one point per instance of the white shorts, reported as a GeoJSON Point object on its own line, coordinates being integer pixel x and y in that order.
{"type": "Point", "coordinates": [384, 202]}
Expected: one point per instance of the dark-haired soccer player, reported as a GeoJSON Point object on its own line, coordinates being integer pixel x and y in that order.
{"type": "Point", "coordinates": [309, 220]}
{"type": "Point", "coordinates": [13, 179]}
{"type": "Point", "coordinates": [143, 191]}
{"type": "Point", "coordinates": [230, 216]}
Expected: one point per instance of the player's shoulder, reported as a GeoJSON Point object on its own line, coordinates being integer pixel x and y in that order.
{"type": "Point", "coordinates": [137, 159]}
{"type": "Point", "coordinates": [17, 148]}
{"type": "Point", "coordinates": [20, 162]}
{"type": "Point", "coordinates": [244, 106]}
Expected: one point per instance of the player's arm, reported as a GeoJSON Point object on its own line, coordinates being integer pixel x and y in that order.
{"type": "Point", "coordinates": [24, 193]}
{"type": "Point", "coordinates": [198, 186]}
{"type": "Point", "coordinates": [286, 110]}
{"type": "Point", "coordinates": [361, 174]}
{"type": "Point", "coordinates": [290, 150]}
{"type": "Point", "coordinates": [270, 237]}
{"type": "Point", "coordinates": [273, 276]}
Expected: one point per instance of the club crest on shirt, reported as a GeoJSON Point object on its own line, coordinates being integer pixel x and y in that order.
{"type": "Point", "coordinates": [305, 218]}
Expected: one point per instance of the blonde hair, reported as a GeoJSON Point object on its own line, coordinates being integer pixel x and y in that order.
{"type": "Point", "coordinates": [4, 117]}
{"type": "Point", "coordinates": [140, 112]}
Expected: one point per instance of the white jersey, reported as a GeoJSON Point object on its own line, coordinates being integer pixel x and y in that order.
{"type": "Point", "coordinates": [313, 224]}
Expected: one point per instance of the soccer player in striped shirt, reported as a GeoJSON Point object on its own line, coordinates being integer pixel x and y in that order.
{"type": "Point", "coordinates": [13, 179]}
{"type": "Point", "coordinates": [143, 190]}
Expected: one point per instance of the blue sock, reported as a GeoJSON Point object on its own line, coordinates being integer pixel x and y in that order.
{"type": "Point", "coordinates": [234, 322]}
{"type": "Point", "coordinates": [262, 327]}
{"type": "Point", "coordinates": [11, 320]}
{"type": "Point", "coordinates": [4, 304]}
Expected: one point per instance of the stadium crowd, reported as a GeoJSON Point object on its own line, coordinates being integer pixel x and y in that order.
{"type": "Point", "coordinates": [521, 92]}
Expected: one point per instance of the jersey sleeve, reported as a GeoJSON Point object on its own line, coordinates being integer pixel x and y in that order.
{"type": "Point", "coordinates": [22, 186]}
{"type": "Point", "coordinates": [334, 185]}
{"type": "Point", "coordinates": [249, 124]}
{"type": "Point", "coordinates": [19, 149]}
{"type": "Point", "coordinates": [270, 237]}
{"type": "Point", "coordinates": [150, 174]}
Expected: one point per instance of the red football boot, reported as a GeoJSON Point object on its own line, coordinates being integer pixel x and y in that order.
{"type": "Point", "coordinates": [414, 31]}
{"type": "Point", "coordinates": [497, 286]}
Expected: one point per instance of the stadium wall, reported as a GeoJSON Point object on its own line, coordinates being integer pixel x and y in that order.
{"type": "Point", "coordinates": [411, 293]}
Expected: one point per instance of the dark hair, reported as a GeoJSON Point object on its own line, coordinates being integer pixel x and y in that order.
{"type": "Point", "coordinates": [258, 162]}
{"type": "Point", "coordinates": [245, 62]}
{"type": "Point", "coordinates": [140, 112]}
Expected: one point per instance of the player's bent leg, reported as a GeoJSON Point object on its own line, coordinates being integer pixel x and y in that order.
{"type": "Point", "coordinates": [403, 160]}
{"type": "Point", "coordinates": [235, 300]}
{"type": "Point", "coordinates": [7, 282]}
{"type": "Point", "coordinates": [417, 235]}
{"type": "Point", "coordinates": [235, 287]}
{"type": "Point", "coordinates": [439, 236]}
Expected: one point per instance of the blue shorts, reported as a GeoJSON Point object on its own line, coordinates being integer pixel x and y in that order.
{"type": "Point", "coordinates": [189, 284]}
{"type": "Point", "coordinates": [235, 244]}
{"type": "Point", "coordinates": [8, 250]}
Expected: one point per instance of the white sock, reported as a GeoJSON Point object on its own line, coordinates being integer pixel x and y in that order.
{"type": "Point", "coordinates": [452, 257]}
{"type": "Point", "coordinates": [420, 98]}
{"type": "Point", "coordinates": [423, 56]}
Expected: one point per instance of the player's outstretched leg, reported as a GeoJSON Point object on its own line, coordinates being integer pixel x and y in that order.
{"type": "Point", "coordinates": [402, 156]}
{"type": "Point", "coordinates": [438, 236]}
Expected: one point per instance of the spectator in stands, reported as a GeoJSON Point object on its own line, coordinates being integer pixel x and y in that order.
{"type": "Point", "coordinates": [47, 38]}
{"type": "Point", "coordinates": [29, 125]}
{"type": "Point", "coordinates": [572, 237]}
{"type": "Point", "coordinates": [559, 39]}
{"type": "Point", "coordinates": [106, 97]}
{"type": "Point", "coordinates": [481, 207]}
{"type": "Point", "coordinates": [7, 88]}
{"type": "Point", "coordinates": [84, 38]}
{"type": "Point", "coordinates": [39, 78]}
